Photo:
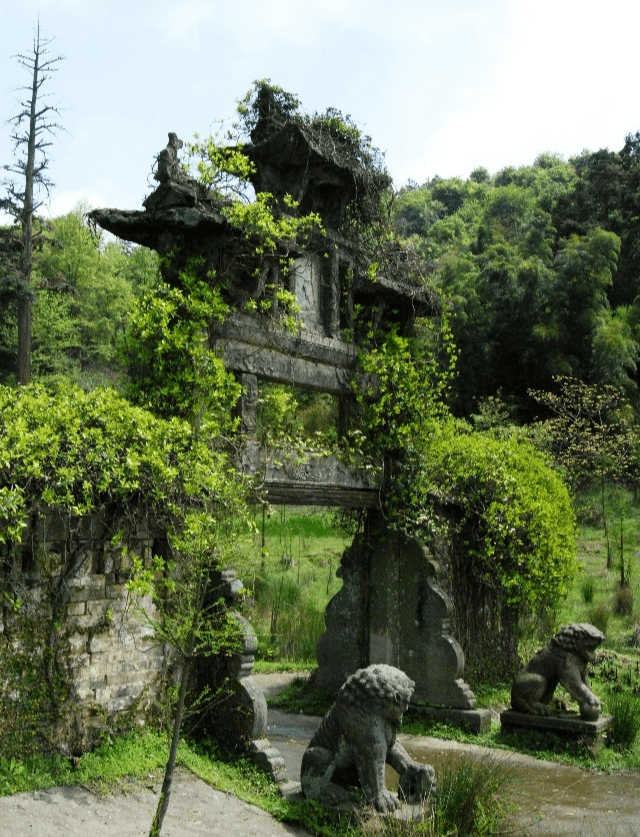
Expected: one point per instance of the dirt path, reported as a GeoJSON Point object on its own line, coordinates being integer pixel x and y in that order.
{"type": "Point", "coordinates": [195, 809]}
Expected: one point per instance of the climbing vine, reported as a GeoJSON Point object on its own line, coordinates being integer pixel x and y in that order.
{"type": "Point", "coordinates": [506, 512]}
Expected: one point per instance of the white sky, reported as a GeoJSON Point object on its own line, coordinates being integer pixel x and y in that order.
{"type": "Point", "coordinates": [441, 86]}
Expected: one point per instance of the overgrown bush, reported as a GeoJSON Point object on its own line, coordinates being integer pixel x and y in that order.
{"type": "Point", "coordinates": [79, 452]}
{"type": "Point", "coordinates": [509, 521]}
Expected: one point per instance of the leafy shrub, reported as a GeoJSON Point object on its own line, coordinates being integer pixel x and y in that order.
{"type": "Point", "coordinates": [518, 523]}
{"type": "Point", "coordinates": [77, 451]}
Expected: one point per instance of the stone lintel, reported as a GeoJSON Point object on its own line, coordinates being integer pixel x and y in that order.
{"type": "Point", "coordinates": [274, 365]}
{"type": "Point", "coordinates": [306, 343]}
{"type": "Point", "coordinates": [150, 228]}
{"type": "Point", "coordinates": [473, 720]}
{"type": "Point", "coordinates": [299, 494]}
{"type": "Point", "coordinates": [310, 480]}
{"type": "Point", "coordinates": [566, 725]}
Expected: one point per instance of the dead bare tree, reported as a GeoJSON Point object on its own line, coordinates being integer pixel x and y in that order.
{"type": "Point", "coordinates": [32, 128]}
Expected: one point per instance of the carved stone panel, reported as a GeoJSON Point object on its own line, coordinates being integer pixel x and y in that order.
{"type": "Point", "coordinates": [391, 610]}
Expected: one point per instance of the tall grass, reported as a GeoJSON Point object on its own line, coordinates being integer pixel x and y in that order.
{"type": "Point", "coordinates": [625, 708]}
{"type": "Point", "coordinates": [471, 797]}
{"type": "Point", "coordinates": [470, 802]}
{"type": "Point", "coordinates": [588, 589]}
{"type": "Point", "coordinates": [292, 577]}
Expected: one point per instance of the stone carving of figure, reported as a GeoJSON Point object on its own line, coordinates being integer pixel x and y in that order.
{"type": "Point", "coordinates": [357, 737]}
{"type": "Point", "coordinates": [563, 660]}
{"type": "Point", "coordinates": [177, 188]}
{"type": "Point", "coordinates": [168, 166]}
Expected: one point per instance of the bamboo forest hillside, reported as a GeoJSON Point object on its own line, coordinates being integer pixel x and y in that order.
{"type": "Point", "coordinates": [539, 267]}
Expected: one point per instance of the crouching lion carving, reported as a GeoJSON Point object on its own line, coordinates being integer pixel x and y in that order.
{"type": "Point", "coordinates": [357, 737]}
{"type": "Point", "coordinates": [563, 660]}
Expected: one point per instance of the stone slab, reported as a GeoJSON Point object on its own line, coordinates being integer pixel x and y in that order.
{"type": "Point", "coordinates": [473, 720]}
{"type": "Point", "coordinates": [566, 725]}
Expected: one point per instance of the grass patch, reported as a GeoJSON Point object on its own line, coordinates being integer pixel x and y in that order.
{"type": "Point", "coordinates": [611, 608]}
{"type": "Point", "coordinates": [277, 666]}
{"type": "Point", "coordinates": [300, 698]}
{"type": "Point", "coordinates": [625, 708]}
{"type": "Point", "coordinates": [471, 798]}
{"type": "Point", "coordinates": [135, 755]}
{"type": "Point", "coordinates": [291, 576]}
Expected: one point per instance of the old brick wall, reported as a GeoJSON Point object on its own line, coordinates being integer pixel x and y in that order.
{"type": "Point", "coordinates": [77, 656]}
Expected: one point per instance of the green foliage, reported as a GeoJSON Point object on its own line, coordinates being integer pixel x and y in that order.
{"type": "Point", "coordinates": [173, 371]}
{"type": "Point", "coordinates": [516, 522]}
{"type": "Point", "coordinates": [589, 433]}
{"type": "Point", "coordinates": [401, 388]}
{"type": "Point", "coordinates": [77, 451]}
{"type": "Point", "coordinates": [85, 290]}
{"type": "Point", "coordinates": [625, 709]}
{"type": "Point", "coordinates": [540, 267]}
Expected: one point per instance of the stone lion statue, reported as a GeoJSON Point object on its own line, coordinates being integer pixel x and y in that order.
{"type": "Point", "coordinates": [563, 660]}
{"type": "Point", "coordinates": [357, 737]}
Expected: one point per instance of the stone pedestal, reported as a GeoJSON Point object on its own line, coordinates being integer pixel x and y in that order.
{"type": "Point", "coordinates": [567, 725]}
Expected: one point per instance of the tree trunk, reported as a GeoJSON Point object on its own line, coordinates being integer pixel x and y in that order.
{"type": "Point", "coordinates": [24, 302]}
{"type": "Point", "coordinates": [165, 793]}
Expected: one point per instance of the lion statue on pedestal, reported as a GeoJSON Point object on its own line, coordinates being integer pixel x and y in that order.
{"type": "Point", "coordinates": [563, 661]}
{"type": "Point", "coordinates": [357, 737]}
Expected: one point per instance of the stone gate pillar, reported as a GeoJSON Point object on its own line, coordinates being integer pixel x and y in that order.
{"type": "Point", "coordinates": [391, 610]}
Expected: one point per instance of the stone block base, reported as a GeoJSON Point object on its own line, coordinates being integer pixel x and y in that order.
{"type": "Point", "coordinates": [473, 720]}
{"type": "Point", "coordinates": [567, 725]}
{"type": "Point", "coordinates": [263, 754]}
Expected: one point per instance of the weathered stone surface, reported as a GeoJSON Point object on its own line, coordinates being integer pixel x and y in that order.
{"type": "Point", "coordinates": [564, 661]}
{"type": "Point", "coordinates": [564, 725]}
{"type": "Point", "coordinates": [299, 479]}
{"type": "Point", "coordinates": [390, 610]}
{"type": "Point", "coordinates": [342, 648]}
{"type": "Point", "coordinates": [110, 663]}
{"type": "Point", "coordinates": [263, 754]}
{"type": "Point", "coordinates": [357, 737]}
